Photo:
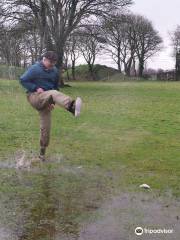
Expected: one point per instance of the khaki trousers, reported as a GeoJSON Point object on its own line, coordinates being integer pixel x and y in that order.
{"type": "Point", "coordinates": [40, 101]}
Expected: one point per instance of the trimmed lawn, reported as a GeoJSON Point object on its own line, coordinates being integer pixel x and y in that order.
{"type": "Point", "coordinates": [128, 134]}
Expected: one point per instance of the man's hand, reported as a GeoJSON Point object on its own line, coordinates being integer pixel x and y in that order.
{"type": "Point", "coordinates": [51, 107]}
{"type": "Point", "coordinates": [40, 90]}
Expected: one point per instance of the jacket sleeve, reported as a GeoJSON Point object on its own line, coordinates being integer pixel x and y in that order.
{"type": "Point", "coordinates": [27, 78]}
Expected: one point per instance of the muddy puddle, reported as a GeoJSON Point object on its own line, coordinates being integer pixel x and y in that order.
{"type": "Point", "coordinates": [121, 215]}
{"type": "Point", "coordinates": [53, 201]}
{"type": "Point", "coordinates": [46, 200]}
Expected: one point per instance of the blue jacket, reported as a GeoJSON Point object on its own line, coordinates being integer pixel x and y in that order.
{"type": "Point", "coordinates": [37, 76]}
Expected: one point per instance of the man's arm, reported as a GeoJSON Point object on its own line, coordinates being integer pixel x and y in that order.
{"type": "Point", "coordinates": [26, 79]}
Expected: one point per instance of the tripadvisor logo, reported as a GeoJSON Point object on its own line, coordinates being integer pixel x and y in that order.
{"type": "Point", "coordinates": [139, 231]}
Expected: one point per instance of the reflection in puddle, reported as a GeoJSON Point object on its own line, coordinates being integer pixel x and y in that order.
{"type": "Point", "coordinates": [46, 204]}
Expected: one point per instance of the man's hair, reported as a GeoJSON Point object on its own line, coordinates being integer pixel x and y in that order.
{"type": "Point", "coordinates": [51, 55]}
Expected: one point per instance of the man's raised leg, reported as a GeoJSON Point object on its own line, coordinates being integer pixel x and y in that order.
{"type": "Point", "coordinates": [64, 101]}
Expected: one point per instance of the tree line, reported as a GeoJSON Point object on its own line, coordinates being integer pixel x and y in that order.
{"type": "Point", "coordinates": [76, 28]}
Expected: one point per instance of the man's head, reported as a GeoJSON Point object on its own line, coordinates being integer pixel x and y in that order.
{"type": "Point", "coordinates": [49, 59]}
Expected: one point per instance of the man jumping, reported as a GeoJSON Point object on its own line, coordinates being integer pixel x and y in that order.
{"type": "Point", "coordinates": [41, 82]}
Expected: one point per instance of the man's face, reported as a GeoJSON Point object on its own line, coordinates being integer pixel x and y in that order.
{"type": "Point", "coordinates": [48, 63]}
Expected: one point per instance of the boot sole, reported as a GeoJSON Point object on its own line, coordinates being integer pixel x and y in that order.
{"type": "Point", "coordinates": [78, 106]}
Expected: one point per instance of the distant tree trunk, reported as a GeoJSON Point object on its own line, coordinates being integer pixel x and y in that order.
{"type": "Point", "coordinates": [67, 72]}
{"type": "Point", "coordinates": [119, 60]}
{"type": "Point", "coordinates": [141, 68]}
{"type": "Point", "coordinates": [128, 66]}
{"type": "Point", "coordinates": [91, 71]}
{"type": "Point", "coordinates": [119, 66]}
{"type": "Point", "coordinates": [73, 70]}
{"type": "Point", "coordinates": [134, 66]}
{"type": "Point", "coordinates": [59, 65]}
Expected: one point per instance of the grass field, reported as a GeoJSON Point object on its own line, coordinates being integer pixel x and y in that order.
{"type": "Point", "coordinates": [128, 134]}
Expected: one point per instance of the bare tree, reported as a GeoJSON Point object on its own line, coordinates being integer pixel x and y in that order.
{"type": "Point", "coordinates": [175, 39]}
{"type": "Point", "coordinates": [120, 40]}
{"type": "Point", "coordinates": [30, 45]}
{"type": "Point", "coordinates": [90, 46]}
{"type": "Point", "coordinates": [147, 41]}
{"type": "Point", "coordinates": [74, 53]}
{"type": "Point", "coordinates": [10, 48]}
{"type": "Point", "coordinates": [130, 37]}
{"type": "Point", "coordinates": [112, 30]}
{"type": "Point", "coordinates": [67, 53]}
{"type": "Point", "coordinates": [19, 45]}
{"type": "Point", "coordinates": [56, 19]}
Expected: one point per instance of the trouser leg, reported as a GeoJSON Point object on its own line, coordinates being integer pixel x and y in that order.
{"type": "Point", "coordinates": [45, 127]}
{"type": "Point", "coordinates": [41, 100]}
{"type": "Point", "coordinates": [38, 101]}
{"type": "Point", "coordinates": [61, 99]}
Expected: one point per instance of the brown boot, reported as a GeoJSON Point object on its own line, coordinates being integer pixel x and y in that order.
{"type": "Point", "coordinates": [75, 107]}
{"type": "Point", "coordinates": [42, 154]}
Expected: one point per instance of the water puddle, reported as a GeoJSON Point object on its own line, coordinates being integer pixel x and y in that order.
{"type": "Point", "coordinates": [119, 217]}
{"type": "Point", "coordinates": [46, 200]}
{"type": "Point", "coordinates": [53, 201]}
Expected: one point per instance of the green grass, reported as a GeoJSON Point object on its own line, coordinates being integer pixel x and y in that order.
{"type": "Point", "coordinates": [10, 72]}
{"type": "Point", "coordinates": [129, 127]}
{"type": "Point", "coordinates": [128, 134]}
